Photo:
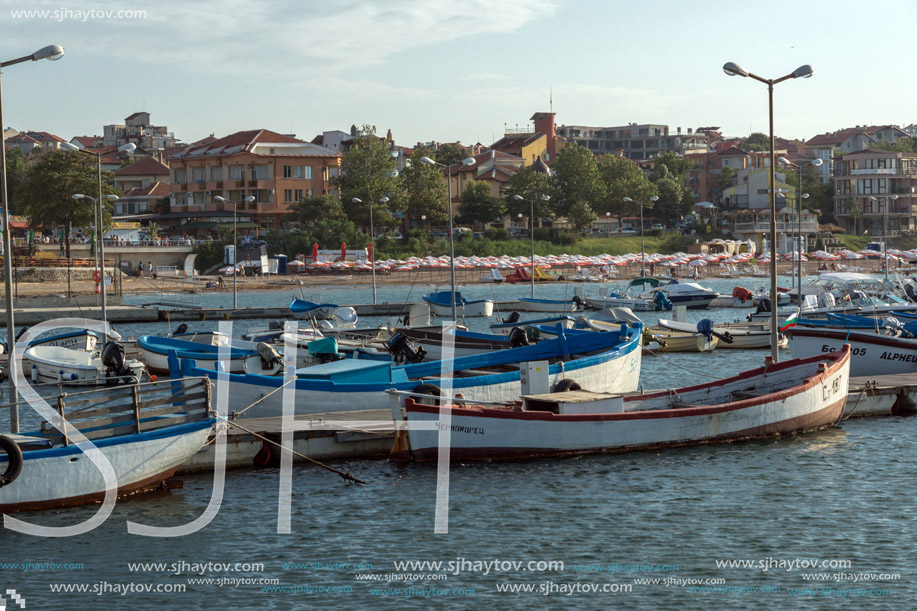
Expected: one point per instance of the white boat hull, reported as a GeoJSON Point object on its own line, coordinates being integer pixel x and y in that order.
{"type": "Point", "coordinates": [53, 364]}
{"type": "Point", "coordinates": [635, 304]}
{"type": "Point", "coordinates": [472, 309]}
{"type": "Point", "coordinates": [871, 354]}
{"type": "Point", "coordinates": [546, 305]}
{"type": "Point", "coordinates": [704, 414]}
{"type": "Point", "coordinates": [61, 477]}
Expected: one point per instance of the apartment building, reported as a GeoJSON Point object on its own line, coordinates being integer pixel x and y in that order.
{"type": "Point", "coordinates": [278, 170]}
{"type": "Point", "coordinates": [637, 142]}
{"type": "Point", "coordinates": [872, 188]}
{"type": "Point", "coordinates": [828, 145]}
{"type": "Point", "coordinates": [138, 130]}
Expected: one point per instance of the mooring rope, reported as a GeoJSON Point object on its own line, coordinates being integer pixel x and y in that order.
{"type": "Point", "coordinates": [347, 476]}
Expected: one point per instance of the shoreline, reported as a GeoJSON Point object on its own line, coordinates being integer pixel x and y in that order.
{"type": "Point", "coordinates": [133, 285]}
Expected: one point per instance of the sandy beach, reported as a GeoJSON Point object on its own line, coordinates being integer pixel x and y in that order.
{"type": "Point", "coordinates": [439, 277]}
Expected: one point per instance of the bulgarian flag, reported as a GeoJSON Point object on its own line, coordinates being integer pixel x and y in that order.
{"type": "Point", "coordinates": [790, 322]}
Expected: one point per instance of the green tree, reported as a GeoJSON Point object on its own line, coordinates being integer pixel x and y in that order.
{"type": "Point", "coordinates": [311, 210]}
{"type": "Point", "coordinates": [724, 181]}
{"type": "Point", "coordinates": [425, 190]}
{"type": "Point", "coordinates": [852, 205]}
{"type": "Point", "coordinates": [623, 178]}
{"type": "Point", "coordinates": [448, 154]}
{"type": "Point", "coordinates": [477, 205]}
{"type": "Point", "coordinates": [46, 193]}
{"type": "Point", "coordinates": [676, 165]}
{"type": "Point", "coordinates": [757, 141]}
{"type": "Point", "coordinates": [581, 215]}
{"type": "Point", "coordinates": [369, 173]}
{"type": "Point", "coordinates": [17, 168]}
{"type": "Point", "coordinates": [576, 179]}
{"type": "Point", "coordinates": [531, 185]}
{"type": "Point", "coordinates": [671, 204]}
{"type": "Point", "coordinates": [902, 145]}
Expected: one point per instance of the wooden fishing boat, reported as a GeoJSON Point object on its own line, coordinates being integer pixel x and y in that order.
{"type": "Point", "coordinates": [441, 305]}
{"type": "Point", "coordinates": [744, 336]}
{"type": "Point", "coordinates": [155, 351]}
{"type": "Point", "coordinates": [145, 432]}
{"type": "Point", "coordinates": [78, 368]}
{"type": "Point", "coordinates": [609, 362]}
{"type": "Point", "coordinates": [532, 304]}
{"type": "Point", "coordinates": [872, 354]}
{"type": "Point", "coordinates": [778, 399]}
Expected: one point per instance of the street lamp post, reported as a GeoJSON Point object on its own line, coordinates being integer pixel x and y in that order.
{"type": "Point", "coordinates": [448, 168]}
{"type": "Point", "coordinates": [802, 196]}
{"type": "Point", "coordinates": [100, 253]}
{"type": "Point", "coordinates": [130, 147]}
{"type": "Point", "coordinates": [52, 52]}
{"type": "Point", "coordinates": [372, 250]}
{"type": "Point", "coordinates": [805, 71]}
{"type": "Point", "coordinates": [532, 231]}
{"type": "Point", "coordinates": [235, 242]}
{"type": "Point", "coordinates": [642, 245]}
{"type": "Point", "coordinates": [885, 231]}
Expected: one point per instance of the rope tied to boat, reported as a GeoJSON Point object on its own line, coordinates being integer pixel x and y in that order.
{"type": "Point", "coordinates": [866, 387]}
{"type": "Point", "coordinates": [348, 477]}
{"type": "Point", "coordinates": [281, 387]}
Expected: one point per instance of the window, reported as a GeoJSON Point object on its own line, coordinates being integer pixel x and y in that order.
{"type": "Point", "coordinates": [288, 195]}
{"type": "Point", "coordinates": [181, 176]}
{"type": "Point", "coordinates": [288, 171]}
{"type": "Point", "coordinates": [880, 185]}
{"type": "Point", "coordinates": [259, 172]}
{"type": "Point", "coordinates": [298, 195]}
{"type": "Point", "coordinates": [235, 172]}
{"type": "Point", "coordinates": [298, 172]}
{"type": "Point", "coordinates": [198, 174]}
{"type": "Point", "coordinates": [216, 173]}
{"type": "Point", "coordinates": [307, 172]}
{"type": "Point", "coordinates": [866, 185]}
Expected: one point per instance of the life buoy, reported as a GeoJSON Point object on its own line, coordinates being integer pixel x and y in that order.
{"type": "Point", "coordinates": [567, 384]}
{"type": "Point", "coordinates": [96, 276]}
{"type": "Point", "coordinates": [14, 461]}
{"type": "Point", "coordinates": [429, 389]}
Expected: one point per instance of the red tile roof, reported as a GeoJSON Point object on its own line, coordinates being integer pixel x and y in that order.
{"type": "Point", "coordinates": [145, 167]}
{"type": "Point", "coordinates": [733, 152]}
{"type": "Point", "coordinates": [89, 141]}
{"type": "Point", "coordinates": [157, 189]}
{"type": "Point", "coordinates": [513, 144]}
{"type": "Point", "coordinates": [244, 139]}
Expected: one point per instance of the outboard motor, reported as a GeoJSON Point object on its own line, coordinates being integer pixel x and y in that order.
{"type": "Point", "coordinates": [705, 327]}
{"type": "Point", "coordinates": [518, 338]}
{"type": "Point", "coordinates": [578, 302]}
{"type": "Point", "coordinates": [182, 328]}
{"type": "Point", "coordinates": [275, 325]}
{"type": "Point", "coordinates": [513, 317]}
{"type": "Point", "coordinates": [115, 367]}
{"type": "Point", "coordinates": [269, 356]}
{"type": "Point", "coordinates": [910, 292]}
{"type": "Point", "coordinates": [764, 305]}
{"type": "Point", "coordinates": [400, 347]}
{"type": "Point", "coordinates": [533, 333]}
{"type": "Point", "coordinates": [662, 302]}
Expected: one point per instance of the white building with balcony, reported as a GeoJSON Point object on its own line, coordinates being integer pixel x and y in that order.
{"type": "Point", "coordinates": [874, 192]}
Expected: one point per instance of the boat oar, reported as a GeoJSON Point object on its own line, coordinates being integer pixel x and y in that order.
{"type": "Point", "coordinates": [347, 476]}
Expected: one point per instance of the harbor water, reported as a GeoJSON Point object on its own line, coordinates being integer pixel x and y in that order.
{"type": "Point", "coordinates": [812, 521]}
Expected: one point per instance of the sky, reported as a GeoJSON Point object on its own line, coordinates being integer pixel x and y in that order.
{"type": "Point", "coordinates": [455, 71]}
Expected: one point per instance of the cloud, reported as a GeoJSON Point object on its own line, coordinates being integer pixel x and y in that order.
{"type": "Point", "coordinates": [236, 37]}
{"type": "Point", "coordinates": [482, 76]}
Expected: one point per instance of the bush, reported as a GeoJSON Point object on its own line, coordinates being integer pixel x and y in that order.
{"type": "Point", "coordinates": [564, 238]}
{"type": "Point", "coordinates": [676, 242]}
{"type": "Point", "coordinates": [208, 255]}
{"type": "Point", "coordinates": [496, 233]}
{"type": "Point", "coordinates": [653, 233]}
{"type": "Point", "coordinates": [542, 234]}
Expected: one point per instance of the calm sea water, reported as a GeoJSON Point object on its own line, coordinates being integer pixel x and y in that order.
{"type": "Point", "coordinates": [648, 530]}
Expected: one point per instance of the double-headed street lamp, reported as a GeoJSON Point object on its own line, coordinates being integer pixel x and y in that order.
{"type": "Point", "coordinates": [543, 198]}
{"type": "Point", "coordinates": [802, 196]}
{"type": "Point", "coordinates": [448, 168]}
{"type": "Point", "coordinates": [885, 230]}
{"type": "Point", "coordinates": [805, 71]}
{"type": "Point", "coordinates": [235, 242]}
{"type": "Point", "coordinates": [655, 198]}
{"type": "Point", "coordinates": [372, 250]}
{"type": "Point", "coordinates": [52, 52]}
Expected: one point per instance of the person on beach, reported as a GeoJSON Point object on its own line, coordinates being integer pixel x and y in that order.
{"type": "Point", "coordinates": [140, 269]}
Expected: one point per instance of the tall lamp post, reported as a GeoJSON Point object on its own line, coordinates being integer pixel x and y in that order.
{"type": "Point", "coordinates": [97, 206]}
{"type": "Point", "coordinates": [805, 71]}
{"type": "Point", "coordinates": [52, 52]}
{"type": "Point", "coordinates": [885, 231]}
{"type": "Point", "coordinates": [448, 168]}
{"type": "Point", "coordinates": [235, 242]}
{"type": "Point", "coordinates": [655, 198]}
{"type": "Point", "coordinates": [802, 196]}
{"type": "Point", "coordinates": [543, 198]}
{"type": "Point", "coordinates": [372, 250]}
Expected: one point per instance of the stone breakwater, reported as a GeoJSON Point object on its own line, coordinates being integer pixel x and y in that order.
{"type": "Point", "coordinates": [53, 274]}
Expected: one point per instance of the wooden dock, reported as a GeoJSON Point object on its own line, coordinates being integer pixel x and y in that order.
{"type": "Point", "coordinates": [882, 396]}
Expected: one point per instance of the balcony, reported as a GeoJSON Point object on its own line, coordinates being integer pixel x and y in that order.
{"type": "Point", "coordinates": [866, 171]}
{"type": "Point", "coordinates": [765, 227]}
